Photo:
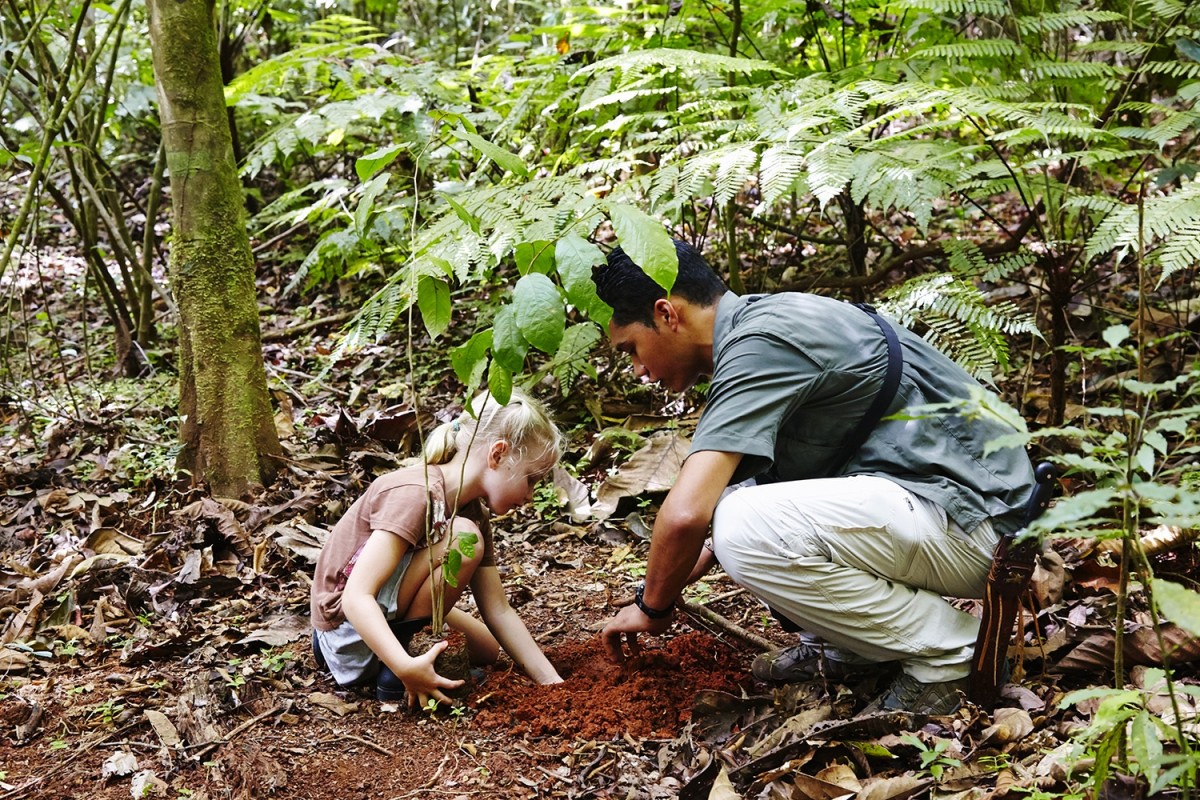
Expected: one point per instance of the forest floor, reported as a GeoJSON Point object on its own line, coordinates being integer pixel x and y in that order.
{"type": "Point", "coordinates": [156, 639]}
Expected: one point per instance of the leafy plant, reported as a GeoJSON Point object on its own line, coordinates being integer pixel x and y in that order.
{"type": "Point", "coordinates": [933, 757]}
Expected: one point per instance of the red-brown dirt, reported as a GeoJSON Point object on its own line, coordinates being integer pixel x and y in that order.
{"type": "Point", "coordinates": [648, 697]}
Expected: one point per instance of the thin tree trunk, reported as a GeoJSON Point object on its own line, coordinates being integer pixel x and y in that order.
{"type": "Point", "coordinates": [228, 431]}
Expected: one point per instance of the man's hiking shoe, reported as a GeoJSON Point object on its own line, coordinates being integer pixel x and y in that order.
{"type": "Point", "coordinates": [807, 661]}
{"type": "Point", "coordinates": [909, 694]}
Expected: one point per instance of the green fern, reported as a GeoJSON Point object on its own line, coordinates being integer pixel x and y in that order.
{"type": "Point", "coordinates": [985, 8]}
{"type": "Point", "coordinates": [633, 64]}
{"type": "Point", "coordinates": [974, 49]}
{"type": "Point", "coordinates": [1058, 21]}
{"type": "Point", "coordinates": [957, 317]}
{"type": "Point", "coordinates": [735, 168]}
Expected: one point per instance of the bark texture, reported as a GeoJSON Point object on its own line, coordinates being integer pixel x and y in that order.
{"type": "Point", "coordinates": [228, 431]}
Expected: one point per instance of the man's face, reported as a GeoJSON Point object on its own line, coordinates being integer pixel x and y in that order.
{"type": "Point", "coordinates": [657, 354]}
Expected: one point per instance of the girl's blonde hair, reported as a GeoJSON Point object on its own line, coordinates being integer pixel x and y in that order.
{"type": "Point", "coordinates": [523, 422]}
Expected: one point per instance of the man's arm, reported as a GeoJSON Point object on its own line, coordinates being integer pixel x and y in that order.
{"type": "Point", "coordinates": [679, 532]}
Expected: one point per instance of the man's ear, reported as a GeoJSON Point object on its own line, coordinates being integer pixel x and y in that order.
{"type": "Point", "coordinates": [497, 452]}
{"type": "Point", "coordinates": [665, 311]}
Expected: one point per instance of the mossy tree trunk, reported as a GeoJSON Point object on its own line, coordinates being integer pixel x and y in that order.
{"type": "Point", "coordinates": [228, 431]}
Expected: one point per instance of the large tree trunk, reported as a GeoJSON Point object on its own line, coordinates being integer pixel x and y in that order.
{"type": "Point", "coordinates": [228, 431]}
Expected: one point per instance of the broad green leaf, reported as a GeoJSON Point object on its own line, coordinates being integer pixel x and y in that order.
{"type": "Point", "coordinates": [466, 544]}
{"type": "Point", "coordinates": [451, 566]}
{"type": "Point", "coordinates": [540, 314]}
{"type": "Point", "coordinates": [1145, 459]}
{"type": "Point", "coordinates": [645, 241]}
{"type": "Point", "coordinates": [466, 216]}
{"type": "Point", "coordinates": [433, 298]}
{"type": "Point", "coordinates": [505, 159]}
{"type": "Point", "coordinates": [366, 201]}
{"type": "Point", "coordinates": [500, 383]}
{"type": "Point", "coordinates": [366, 166]}
{"type": "Point", "coordinates": [1178, 604]}
{"type": "Point", "coordinates": [1115, 334]}
{"type": "Point", "coordinates": [575, 256]}
{"type": "Point", "coordinates": [1156, 440]}
{"type": "Point", "coordinates": [470, 359]}
{"type": "Point", "coordinates": [534, 257]}
{"type": "Point", "coordinates": [1144, 742]}
{"type": "Point", "coordinates": [508, 345]}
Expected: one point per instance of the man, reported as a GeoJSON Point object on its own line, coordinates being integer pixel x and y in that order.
{"type": "Point", "coordinates": [859, 561]}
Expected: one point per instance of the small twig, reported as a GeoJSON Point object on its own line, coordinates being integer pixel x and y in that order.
{"type": "Point", "coordinates": [707, 615]}
{"type": "Point", "coordinates": [716, 598]}
{"type": "Point", "coordinates": [378, 748]}
{"type": "Point", "coordinates": [208, 748]}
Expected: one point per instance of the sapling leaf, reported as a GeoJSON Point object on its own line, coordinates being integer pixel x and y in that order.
{"type": "Point", "coordinates": [433, 298]}
{"type": "Point", "coordinates": [508, 345]}
{"type": "Point", "coordinates": [575, 256]}
{"type": "Point", "coordinates": [463, 214]}
{"type": "Point", "coordinates": [645, 241]}
{"type": "Point", "coordinates": [470, 359]}
{"type": "Point", "coordinates": [1177, 603]}
{"type": "Point", "coordinates": [540, 314]}
{"type": "Point", "coordinates": [366, 166]}
{"type": "Point", "coordinates": [534, 257]}
{"type": "Point", "coordinates": [451, 567]}
{"type": "Point", "coordinates": [502, 157]}
{"type": "Point", "coordinates": [500, 383]}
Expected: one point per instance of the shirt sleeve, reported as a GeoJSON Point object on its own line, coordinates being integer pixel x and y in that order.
{"type": "Point", "coordinates": [758, 383]}
{"type": "Point", "coordinates": [400, 510]}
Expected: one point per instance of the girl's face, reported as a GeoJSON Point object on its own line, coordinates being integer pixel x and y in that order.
{"type": "Point", "coordinates": [508, 481]}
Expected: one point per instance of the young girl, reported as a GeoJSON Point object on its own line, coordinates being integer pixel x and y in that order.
{"type": "Point", "coordinates": [372, 587]}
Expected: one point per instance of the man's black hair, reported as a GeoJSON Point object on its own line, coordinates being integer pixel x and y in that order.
{"type": "Point", "coordinates": [632, 293]}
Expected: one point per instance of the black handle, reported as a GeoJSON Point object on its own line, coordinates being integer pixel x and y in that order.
{"type": "Point", "coordinates": [1043, 491]}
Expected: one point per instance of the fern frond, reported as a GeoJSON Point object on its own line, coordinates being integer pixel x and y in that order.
{"type": "Point", "coordinates": [1077, 70]}
{"type": "Point", "coordinates": [1164, 9]}
{"type": "Point", "coordinates": [985, 8]}
{"type": "Point", "coordinates": [735, 168]}
{"type": "Point", "coordinates": [1174, 124]}
{"type": "Point", "coordinates": [830, 169]}
{"type": "Point", "coordinates": [1124, 47]}
{"type": "Point", "coordinates": [1173, 69]}
{"type": "Point", "coordinates": [688, 62]}
{"type": "Point", "coordinates": [973, 49]}
{"type": "Point", "coordinates": [1063, 20]}
{"type": "Point", "coordinates": [957, 317]}
{"type": "Point", "coordinates": [781, 166]}
{"type": "Point", "coordinates": [1097, 204]}
{"type": "Point", "coordinates": [1182, 250]}
{"type": "Point", "coordinates": [625, 96]}
{"type": "Point", "coordinates": [1162, 217]}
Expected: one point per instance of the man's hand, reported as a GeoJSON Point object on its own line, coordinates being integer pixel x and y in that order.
{"type": "Point", "coordinates": [630, 622]}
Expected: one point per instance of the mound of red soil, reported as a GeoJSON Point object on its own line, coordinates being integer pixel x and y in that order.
{"type": "Point", "coordinates": [649, 697]}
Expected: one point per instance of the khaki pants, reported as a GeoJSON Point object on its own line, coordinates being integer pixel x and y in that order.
{"type": "Point", "coordinates": [862, 563]}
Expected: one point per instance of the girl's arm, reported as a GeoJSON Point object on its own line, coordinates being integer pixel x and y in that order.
{"type": "Point", "coordinates": [376, 562]}
{"type": "Point", "coordinates": [506, 624]}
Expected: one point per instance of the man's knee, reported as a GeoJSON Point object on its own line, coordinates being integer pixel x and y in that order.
{"type": "Point", "coordinates": [731, 526]}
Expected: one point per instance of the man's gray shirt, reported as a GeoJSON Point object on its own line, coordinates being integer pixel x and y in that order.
{"type": "Point", "coordinates": [794, 373]}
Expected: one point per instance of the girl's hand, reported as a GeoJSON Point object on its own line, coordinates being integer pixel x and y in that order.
{"type": "Point", "coordinates": [422, 682]}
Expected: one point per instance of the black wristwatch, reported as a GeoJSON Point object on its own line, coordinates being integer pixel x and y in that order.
{"type": "Point", "coordinates": [652, 613]}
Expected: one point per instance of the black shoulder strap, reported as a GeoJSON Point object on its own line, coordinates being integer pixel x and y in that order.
{"type": "Point", "coordinates": [887, 392]}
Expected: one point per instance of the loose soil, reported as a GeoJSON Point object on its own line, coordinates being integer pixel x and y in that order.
{"type": "Point", "coordinates": [297, 735]}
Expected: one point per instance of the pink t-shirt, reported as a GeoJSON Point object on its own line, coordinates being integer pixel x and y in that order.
{"type": "Point", "coordinates": [398, 503]}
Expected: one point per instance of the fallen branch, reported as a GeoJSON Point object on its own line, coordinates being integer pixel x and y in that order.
{"type": "Point", "coordinates": [290, 331]}
{"type": "Point", "coordinates": [707, 616]}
